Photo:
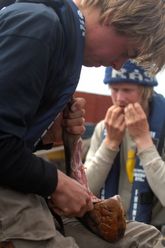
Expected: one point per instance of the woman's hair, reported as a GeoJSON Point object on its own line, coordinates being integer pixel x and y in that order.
{"type": "Point", "coordinates": [143, 21]}
{"type": "Point", "coordinates": [146, 92]}
{"type": "Point", "coordinates": [146, 96]}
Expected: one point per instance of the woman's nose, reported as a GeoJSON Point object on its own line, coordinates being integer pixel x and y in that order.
{"type": "Point", "coordinates": [120, 97]}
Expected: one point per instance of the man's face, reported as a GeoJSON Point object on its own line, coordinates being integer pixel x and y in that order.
{"type": "Point", "coordinates": [124, 93]}
{"type": "Point", "coordinates": [104, 47]}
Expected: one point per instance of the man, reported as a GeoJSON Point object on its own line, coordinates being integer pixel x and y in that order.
{"type": "Point", "coordinates": [42, 48]}
{"type": "Point", "coordinates": [123, 158]}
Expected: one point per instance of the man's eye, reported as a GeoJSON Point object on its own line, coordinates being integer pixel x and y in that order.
{"type": "Point", "coordinates": [134, 54]}
{"type": "Point", "coordinates": [125, 55]}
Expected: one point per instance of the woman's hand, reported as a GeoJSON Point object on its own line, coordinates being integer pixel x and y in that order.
{"type": "Point", "coordinates": [115, 126]}
{"type": "Point", "coordinates": [137, 124]}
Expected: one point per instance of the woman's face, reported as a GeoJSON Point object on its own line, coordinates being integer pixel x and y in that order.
{"type": "Point", "coordinates": [124, 93]}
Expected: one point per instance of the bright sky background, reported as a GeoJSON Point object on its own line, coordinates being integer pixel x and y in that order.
{"type": "Point", "coordinates": [91, 80]}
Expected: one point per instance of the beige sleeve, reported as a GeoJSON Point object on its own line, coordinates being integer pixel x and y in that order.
{"type": "Point", "coordinates": [154, 168]}
{"type": "Point", "coordinates": [99, 160]}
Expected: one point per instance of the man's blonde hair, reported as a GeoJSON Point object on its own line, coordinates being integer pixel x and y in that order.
{"type": "Point", "coordinates": [141, 20]}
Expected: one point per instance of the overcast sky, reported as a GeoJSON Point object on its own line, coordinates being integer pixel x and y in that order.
{"type": "Point", "coordinates": [91, 80]}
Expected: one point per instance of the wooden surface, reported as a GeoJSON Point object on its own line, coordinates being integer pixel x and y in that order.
{"type": "Point", "coordinates": [96, 106]}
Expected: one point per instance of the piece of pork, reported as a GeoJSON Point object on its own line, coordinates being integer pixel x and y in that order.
{"type": "Point", "coordinates": [107, 219]}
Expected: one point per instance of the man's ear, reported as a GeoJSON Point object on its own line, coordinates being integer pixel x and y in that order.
{"type": "Point", "coordinates": [107, 21]}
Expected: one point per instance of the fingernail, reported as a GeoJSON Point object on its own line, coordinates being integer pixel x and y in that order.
{"type": "Point", "coordinates": [73, 107]}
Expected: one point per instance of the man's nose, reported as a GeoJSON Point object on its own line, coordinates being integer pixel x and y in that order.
{"type": "Point", "coordinates": [118, 63]}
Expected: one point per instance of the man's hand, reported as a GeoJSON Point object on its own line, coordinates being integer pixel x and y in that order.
{"type": "Point", "coordinates": [137, 124]}
{"type": "Point", "coordinates": [115, 126]}
{"type": "Point", "coordinates": [70, 198]}
{"type": "Point", "coordinates": [73, 116]}
{"type": "Point", "coordinates": [72, 121]}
